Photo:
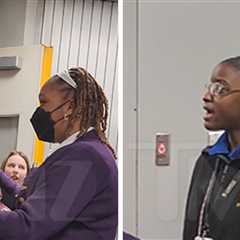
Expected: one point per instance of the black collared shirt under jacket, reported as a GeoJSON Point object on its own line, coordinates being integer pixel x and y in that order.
{"type": "Point", "coordinates": [221, 218]}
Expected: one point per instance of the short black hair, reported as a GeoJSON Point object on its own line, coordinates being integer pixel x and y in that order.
{"type": "Point", "coordinates": [233, 62]}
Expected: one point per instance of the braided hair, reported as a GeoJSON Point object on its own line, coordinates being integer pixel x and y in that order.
{"type": "Point", "coordinates": [91, 105]}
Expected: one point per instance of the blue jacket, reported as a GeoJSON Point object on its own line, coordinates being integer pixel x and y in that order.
{"type": "Point", "coordinates": [71, 196]}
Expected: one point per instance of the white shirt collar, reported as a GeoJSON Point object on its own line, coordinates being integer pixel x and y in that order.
{"type": "Point", "coordinates": [67, 141]}
{"type": "Point", "coordinates": [72, 138]}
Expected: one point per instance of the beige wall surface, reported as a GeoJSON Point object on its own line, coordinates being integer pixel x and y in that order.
{"type": "Point", "coordinates": [19, 92]}
{"type": "Point", "coordinates": [12, 22]}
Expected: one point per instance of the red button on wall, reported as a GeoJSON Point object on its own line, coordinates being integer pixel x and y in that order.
{"type": "Point", "coordinates": [161, 148]}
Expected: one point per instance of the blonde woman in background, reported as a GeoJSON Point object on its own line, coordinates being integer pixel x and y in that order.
{"type": "Point", "coordinates": [14, 169]}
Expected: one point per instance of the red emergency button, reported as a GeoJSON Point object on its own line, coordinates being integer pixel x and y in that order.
{"type": "Point", "coordinates": [161, 148]}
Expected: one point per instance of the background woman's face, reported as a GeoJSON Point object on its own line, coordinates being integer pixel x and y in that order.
{"type": "Point", "coordinates": [16, 168]}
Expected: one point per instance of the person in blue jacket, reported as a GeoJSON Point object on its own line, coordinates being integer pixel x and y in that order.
{"type": "Point", "coordinates": [213, 205]}
{"type": "Point", "coordinates": [73, 194]}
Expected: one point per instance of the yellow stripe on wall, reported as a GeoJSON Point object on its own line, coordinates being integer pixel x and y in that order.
{"type": "Point", "coordinates": [38, 148]}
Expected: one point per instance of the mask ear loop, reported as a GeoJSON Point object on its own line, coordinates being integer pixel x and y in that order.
{"type": "Point", "coordinates": [58, 107]}
{"type": "Point", "coordinates": [65, 117]}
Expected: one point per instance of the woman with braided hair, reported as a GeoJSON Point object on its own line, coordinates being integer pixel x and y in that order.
{"type": "Point", "coordinates": [73, 194]}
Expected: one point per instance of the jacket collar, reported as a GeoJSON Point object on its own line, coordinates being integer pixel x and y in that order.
{"type": "Point", "coordinates": [221, 147]}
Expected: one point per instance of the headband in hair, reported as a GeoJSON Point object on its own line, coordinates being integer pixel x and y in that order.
{"type": "Point", "coordinates": [65, 76]}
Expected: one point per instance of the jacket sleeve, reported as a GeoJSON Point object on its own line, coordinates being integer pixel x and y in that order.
{"type": "Point", "coordinates": [8, 184]}
{"type": "Point", "coordinates": [61, 193]}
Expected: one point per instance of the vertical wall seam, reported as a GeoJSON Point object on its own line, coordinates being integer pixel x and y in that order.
{"type": "Point", "coordinates": [71, 32]}
{"type": "Point", "coordinates": [43, 20]}
{"type": "Point", "coordinates": [108, 42]}
{"type": "Point", "coordinates": [137, 117]}
{"type": "Point", "coordinates": [80, 33]}
{"type": "Point", "coordinates": [99, 35]}
{"type": "Point", "coordinates": [61, 33]}
{"type": "Point", "coordinates": [113, 87]}
{"type": "Point", "coordinates": [90, 34]}
{"type": "Point", "coordinates": [52, 24]}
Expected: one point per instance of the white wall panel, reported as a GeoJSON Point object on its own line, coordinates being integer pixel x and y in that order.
{"type": "Point", "coordinates": [85, 34]}
{"type": "Point", "coordinates": [103, 41]}
{"type": "Point", "coordinates": [47, 17]}
{"type": "Point", "coordinates": [113, 109]}
{"type": "Point", "coordinates": [130, 74]}
{"type": "Point", "coordinates": [56, 34]}
{"type": "Point", "coordinates": [76, 33]}
{"type": "Point", "coordinates": [65, 36]}
{"type": "Point", "coordinates": [95, 36]}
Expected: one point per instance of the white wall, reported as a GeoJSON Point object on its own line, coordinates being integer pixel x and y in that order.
{"type": "Point", "coordinates": [130, 114]}
{"type": "Point", "coordinates": [177, 45]}
{"type": "Point", "coordinates": [8, 135]}
{"type": "Point", "coordinates": [19, 92]}
{"type": "Point", "coordinates": [12, 22]}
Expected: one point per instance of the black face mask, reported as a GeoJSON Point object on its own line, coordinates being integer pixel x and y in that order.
{"type": "Point", "coordinates": [44, 125]}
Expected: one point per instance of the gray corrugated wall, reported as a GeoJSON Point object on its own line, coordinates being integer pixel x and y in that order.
{"type": "Point", "coordinates": [85, 33]}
